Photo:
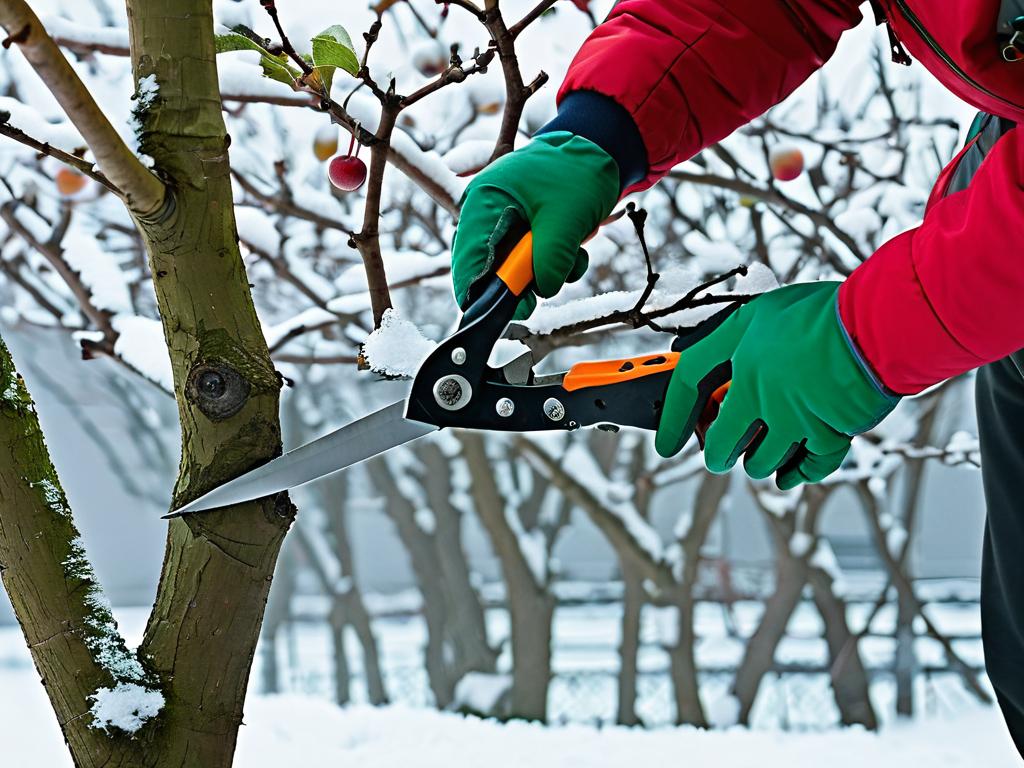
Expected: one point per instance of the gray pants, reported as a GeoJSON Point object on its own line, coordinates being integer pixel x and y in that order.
{"type": "Point", "coordinates": [1000, 401]}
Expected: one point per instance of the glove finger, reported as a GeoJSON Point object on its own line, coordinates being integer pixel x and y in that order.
{"type": "Point", "coordinates": [555, 252]}
{"type": "Point", "coordinates": [823, 440]}
{"type": "Point", "coordinates": [770, 450]}
{"type": "Point", "coordinates": [703, 366]}
{"type": "Point", "coordinates": [487, 215]}
{"type": "Point", "coordinates": [580, 267]}
{"type": "Point", "coordinates": [526, 306]}
{"type": "Point", "coordinates": [812, 468]}
{"type": "Point", "coordinates": [733, 431]}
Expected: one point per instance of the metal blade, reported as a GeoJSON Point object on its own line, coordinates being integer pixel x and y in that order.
{"type": "Point", "coordinates": [345, 446]}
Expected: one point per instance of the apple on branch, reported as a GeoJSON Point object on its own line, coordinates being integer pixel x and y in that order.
{"type": "Point", "coordinates": [347, 172]}
{"type": "Point", "coordinates": [786, 162]}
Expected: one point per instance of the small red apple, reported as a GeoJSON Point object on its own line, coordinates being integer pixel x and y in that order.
{"type": "Point", "coordinates": [347, 172]}
{"type": "Point", "coordinates": [786, 163]}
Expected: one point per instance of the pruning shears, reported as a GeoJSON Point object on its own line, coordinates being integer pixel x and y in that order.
{"type": "Point", "coordinates": [455, 387]}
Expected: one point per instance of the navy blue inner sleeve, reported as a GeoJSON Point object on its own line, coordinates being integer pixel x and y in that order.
{"type": "Point", "coordinates": [605, 122]}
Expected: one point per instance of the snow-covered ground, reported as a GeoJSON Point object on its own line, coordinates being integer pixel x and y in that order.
{"type": "Point", "coordinates": [297, 730]}
{"type": "Point", "coordinates": [283, 730]}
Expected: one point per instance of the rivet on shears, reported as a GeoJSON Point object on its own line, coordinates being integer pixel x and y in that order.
{"type": "Point", "coordinates": [554, 409]}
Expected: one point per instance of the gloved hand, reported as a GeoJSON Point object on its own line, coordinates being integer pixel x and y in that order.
{"type": "Point", "coordinates": [799, 391]}
{"type": "Point", "coordinates": [560, 184]}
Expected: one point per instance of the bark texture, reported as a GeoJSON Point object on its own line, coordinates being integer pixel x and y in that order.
{"type": "Point", "coordinates": [53, 591]}
{"type": "Point", "coordinates": [200, 640]}
{"type": "Point", "coordinates": [216, 576]}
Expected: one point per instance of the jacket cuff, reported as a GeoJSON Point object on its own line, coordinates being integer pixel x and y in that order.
{"type": "Point", "coordinates": [602, 120]}
{"type": "Point", "coordinates": [890, 397]}
{"type": "Point", "coordinates": [892, 323]}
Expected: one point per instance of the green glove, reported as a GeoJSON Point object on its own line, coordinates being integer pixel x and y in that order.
{"type": "Point", "coordinates": [562, 185]}
{"type": "Point", "coordinates": [798, 394]}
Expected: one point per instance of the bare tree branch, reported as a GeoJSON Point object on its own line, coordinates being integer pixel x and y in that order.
{"type": "Point", "coordinates": [143, 192]}
{"type": "Point", "coordinates": [82, 166]}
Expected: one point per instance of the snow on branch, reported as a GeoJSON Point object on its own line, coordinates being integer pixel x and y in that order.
{"type": "Point", "coordinates": [396, 347]}
{"type": "Point", "coordinates": [142, 191]}
{"type": "Point", "coordinates": [680, 299]}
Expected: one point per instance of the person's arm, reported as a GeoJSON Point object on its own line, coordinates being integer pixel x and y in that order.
{"type": "Point", "coordinates": [674, 76]}
{"type": "Point", "coordinates": [947, 296]}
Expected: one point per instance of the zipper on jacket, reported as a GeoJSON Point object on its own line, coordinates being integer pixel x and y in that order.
{"type": "Point", "coordinates": [915, 22]}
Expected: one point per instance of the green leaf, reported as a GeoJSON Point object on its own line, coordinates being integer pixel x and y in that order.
{"type": "Point", "coordinates": [332, 49]}
{"type": "Point", "coordinates": [276, 67]}
{"type": "Point", "coordinates": [241, 38]}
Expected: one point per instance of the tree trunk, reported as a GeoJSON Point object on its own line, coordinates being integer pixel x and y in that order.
{"type": "Point", "coordinates": [531, 605]}
{"type": "Point", "coordinates": [913, 482]}
{"type": "Point", "coordinates": [202, 632]}
{"type": "Point", "coordinates": [850, 684]}
{"type": "Point", "coordinates": [683, 667]}
{"type": "Point", "coordinates": [466, 625]}
{"type": "Point", "coordinates": [905, 661]}
{"type": "Point", "coordinates": [629, 646]}
{"type": "Point", "coordinates": [791, 576]}
{"type": "Point", "coordinates": [53, 590]}
{"type": "Point", "coordinates": [201, 636]}
{"type": "Point", "coordinates": [633, 597]}
{"type": "Point", "coordinates": [683, 663]}
{"type": "Point", "coordinates": [334, 491]}
{"type": "Point", "coordinates": [359, 618]}
{"type": "Point", "coordinates": [278, 613]}
{"type": "Point", "coordinates": [429, 579]}
{"type": "Point", "coordinates": [337, 620]}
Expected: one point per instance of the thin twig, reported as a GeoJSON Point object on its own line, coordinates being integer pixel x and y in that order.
{"type": "Point", "coordinates": [279, 204]}
{"type": "Point", "coordinates": [286, 45]}
{"type": "Point", "coordinates": [535, 13]}
{"type": "Point", "coordinates": [100, 318]}
{"type": "Point", "coordinates": [639, 217]}
{"type": "Point", "coordinates": [79, 164]}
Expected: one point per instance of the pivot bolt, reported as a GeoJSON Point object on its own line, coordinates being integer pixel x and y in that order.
{"type": "Point", "coordinates": [452, 392]}
{"type": "Point", "coordinates": [554, 409]}
{"type": "Point", "coordinates": [505, 407]}
{"type": "Point", "coordinates": [458, 355]}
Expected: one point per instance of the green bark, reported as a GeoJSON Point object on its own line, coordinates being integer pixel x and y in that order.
{"type": "Point", "coordinates": [201, 636]}
{"type": "Point", "coordinates": [68, 628]}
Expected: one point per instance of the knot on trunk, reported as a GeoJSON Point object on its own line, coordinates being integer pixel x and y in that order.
{"type": "Point", "coordinates": [217, 389]}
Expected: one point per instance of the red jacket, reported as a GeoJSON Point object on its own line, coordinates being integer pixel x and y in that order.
{"type": "Point", "coordinates": [931, 303]}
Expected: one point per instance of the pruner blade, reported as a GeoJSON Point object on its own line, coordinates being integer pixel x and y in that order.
{"type": "Point", "coordinates": [357, 441]}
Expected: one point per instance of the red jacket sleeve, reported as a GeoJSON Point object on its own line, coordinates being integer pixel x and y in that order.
{"type": "Point", "coordinates": [692, 71]}
{"type": "Point", "coordinates": [947, 296]}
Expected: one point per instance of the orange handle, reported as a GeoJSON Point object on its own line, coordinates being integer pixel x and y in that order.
{"type": "Point", "coordinates": [516, 271]}
{"type": "Point", "coordinates": [600, 372]}
{"type": "Point", "coordinates": [710, 412]}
